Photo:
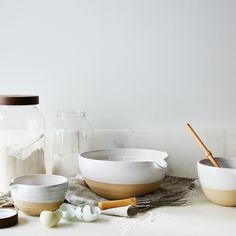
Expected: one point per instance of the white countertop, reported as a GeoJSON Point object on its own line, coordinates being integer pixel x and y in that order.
{"type": "Point", "coordinates": [201, 218]}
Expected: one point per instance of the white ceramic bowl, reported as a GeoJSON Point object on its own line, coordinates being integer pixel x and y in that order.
{"type": "Point", "coordinates": [35, 193]}
{"type": "Point", "coordinates": [123, 173]}
{"type": "Point", "coordinates": [219, 184]}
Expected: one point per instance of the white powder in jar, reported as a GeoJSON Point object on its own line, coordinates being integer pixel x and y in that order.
{"type": "Point", "coordinates": [31, 161]}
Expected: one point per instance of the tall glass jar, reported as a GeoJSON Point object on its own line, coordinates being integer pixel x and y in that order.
{"type": "Point", "coordinates": [70, 138]}
{"type": "Point", "coordinates": [22, 139]}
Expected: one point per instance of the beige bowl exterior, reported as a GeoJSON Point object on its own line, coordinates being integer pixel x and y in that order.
{"type": "Point", "coordinates": [221, 197]}
{"type": "Point", "coordinates": [34, 209]}
{"type": "Point", "coordinates": [219, 184]}
{"type": "Point", "coordinates": [121, 191]}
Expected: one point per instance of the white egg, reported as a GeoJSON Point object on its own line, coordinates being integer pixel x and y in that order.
{"type": "Point", "coordinates": [49, 218]}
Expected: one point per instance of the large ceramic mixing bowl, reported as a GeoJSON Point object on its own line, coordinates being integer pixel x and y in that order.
{"type": "Point", "coordinates": [123, 173]}
{"type": "Point", "coordinates": [36, 193]}
{"type": "Point", "coordinates": [219, 184]}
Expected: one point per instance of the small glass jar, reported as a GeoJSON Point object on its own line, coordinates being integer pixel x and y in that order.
{"type": "Point", "coordinates": [22, 138]}
{"type": "Point", "coordinates": [70, 138]}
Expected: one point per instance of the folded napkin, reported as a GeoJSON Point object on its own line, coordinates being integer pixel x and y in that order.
{"type": "Point", "coordinates": [6, 200]}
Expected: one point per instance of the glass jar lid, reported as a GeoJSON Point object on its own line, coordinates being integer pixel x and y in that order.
{"type": "Point", "coordinates": [19, 100]}
{"type": "Point", "coordinates": [71, 114]}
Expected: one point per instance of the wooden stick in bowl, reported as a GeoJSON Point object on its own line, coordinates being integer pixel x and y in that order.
{"type": "Point", "coordinates": [208, 154]}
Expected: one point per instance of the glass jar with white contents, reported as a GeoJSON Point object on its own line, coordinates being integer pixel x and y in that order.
{"type": "Point", "coordinates": [71, 137]}
{"type": "Point", "coordinates": [22, 138]}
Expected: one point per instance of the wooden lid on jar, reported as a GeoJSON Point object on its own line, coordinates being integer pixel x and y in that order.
{"type": "Point", "coordinates": [19, 100]}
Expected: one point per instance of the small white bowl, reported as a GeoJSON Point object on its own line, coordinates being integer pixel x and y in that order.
{"type": "Point", "coordinates": [123, 173]}
{"type": "Point", "coordinates": [219, 184]}
{"type": "Point", "coordinates": [35, 193]}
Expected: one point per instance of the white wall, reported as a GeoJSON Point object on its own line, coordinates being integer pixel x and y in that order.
{"type": "Point", "coordinates": [130, 64]}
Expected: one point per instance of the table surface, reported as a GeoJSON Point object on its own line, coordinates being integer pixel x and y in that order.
{"type": "Point", "coordinates": [201, 218]}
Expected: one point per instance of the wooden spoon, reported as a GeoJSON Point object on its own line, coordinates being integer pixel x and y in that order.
{"type": "Point", "coordinates": [207, 153]}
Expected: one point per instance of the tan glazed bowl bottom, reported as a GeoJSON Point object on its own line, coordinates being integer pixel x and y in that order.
{"type": "Point", "coordinates": [221, 197]}
{"type": "Point", "coordinates": [121, 191]}
{"type": "Point", "coordinates": [34, 209]}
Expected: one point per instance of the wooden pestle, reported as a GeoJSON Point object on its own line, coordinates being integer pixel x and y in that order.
{"type": "Point", "coordinates": [208, 154]}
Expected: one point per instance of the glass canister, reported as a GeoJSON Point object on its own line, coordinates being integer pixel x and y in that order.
{"type": "Point", "coordinates": [70, 138]}
{"type": "Point", "coordinates": [22, 138]}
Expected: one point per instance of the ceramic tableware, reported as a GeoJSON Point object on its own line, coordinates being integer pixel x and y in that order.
{"type": "Point", "coordinates": [219, 184]}
{"type": "Point", "coordinates": [8, 217]}
{"type": "Point", "coordinates": [36, 193]}
{"type": "Point", "coordinates": [123, 173]}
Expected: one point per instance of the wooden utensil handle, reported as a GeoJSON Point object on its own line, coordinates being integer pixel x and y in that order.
{"type": "Point", "coordinates": [117, 203]}
{"type": "Point", "coordinates": [199, 141]}
{"type": "Point", "coordinates": [208, 154]}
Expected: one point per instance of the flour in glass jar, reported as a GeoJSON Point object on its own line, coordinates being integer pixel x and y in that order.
{"type": "Point", "coordinates": [12, 163]}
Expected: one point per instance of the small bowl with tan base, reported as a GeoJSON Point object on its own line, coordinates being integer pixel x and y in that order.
{"type": "Point", "coordinates": [123, 173]}
{"type": "Point", "coordinates": [33, 194]}
{"type": "Point", "coordinates": [219, 183]}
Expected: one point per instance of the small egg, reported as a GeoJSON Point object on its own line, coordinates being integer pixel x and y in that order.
{"type": "Point", "coordinates": [49, 218]}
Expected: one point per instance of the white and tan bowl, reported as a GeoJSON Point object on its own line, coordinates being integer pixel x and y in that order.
{"type": "Point", "coordinates": [33, 194]}
{"type": "Point", "coordinates": [219, 184]}
{"type": "Point", "coordinates": [123, 173]}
